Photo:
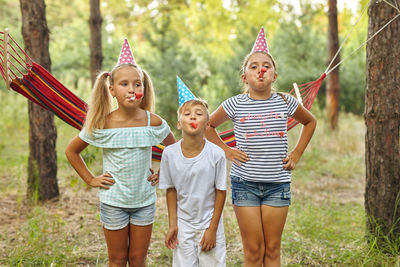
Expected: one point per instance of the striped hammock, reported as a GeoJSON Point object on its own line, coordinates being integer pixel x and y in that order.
{"type": "Point", "coordinates": [34, 82]}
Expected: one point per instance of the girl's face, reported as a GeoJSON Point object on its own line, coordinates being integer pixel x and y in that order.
{"type": "Point", "coordinates": [127, 82]}
{"type": "Point", "coordinates": [252, 72]}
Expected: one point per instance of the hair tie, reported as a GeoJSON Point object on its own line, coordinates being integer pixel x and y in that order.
{"type": "Point", "coordinates": [108, 73]}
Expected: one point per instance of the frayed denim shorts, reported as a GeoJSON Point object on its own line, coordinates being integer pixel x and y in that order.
{"type": "Point", "coordinates": [116, 218]}
{"type": "Point", "coordinates": [255, 194]}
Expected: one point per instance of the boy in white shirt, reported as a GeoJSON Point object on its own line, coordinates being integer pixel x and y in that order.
{"type": "Point", "coordinates": [193, 171]}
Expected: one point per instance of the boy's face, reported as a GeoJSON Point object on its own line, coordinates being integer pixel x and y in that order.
{"type": "Point", "coordinates": [193, 120]}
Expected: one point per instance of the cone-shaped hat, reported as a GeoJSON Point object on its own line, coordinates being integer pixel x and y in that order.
{"type": "Point", "coordinates": [184, 94]}
{"type": "Point", "coordinates": [126, 55]}
{"type": "Point", "coordinates": [260, 45]}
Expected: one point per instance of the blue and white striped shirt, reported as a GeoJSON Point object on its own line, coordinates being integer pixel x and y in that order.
{"type": "Point", "coordinates": [261, 132]}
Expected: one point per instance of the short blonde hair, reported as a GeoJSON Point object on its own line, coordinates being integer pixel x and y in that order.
{"type": "Point", "coordinates": [193, 102]}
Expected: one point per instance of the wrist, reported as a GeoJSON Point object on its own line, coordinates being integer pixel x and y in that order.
{"type": "Point", "coordinates": [226, 148]}
{"type": "Point", "coordinates": [297, 152]}
{"type": "Point", "coordinates": [89, 181]}
{"type": "Point", "coordinates": [212, 228]}
{"type": "Point", "coordinates": [173, 225]}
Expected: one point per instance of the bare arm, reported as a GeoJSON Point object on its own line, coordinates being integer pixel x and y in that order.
{"type": "Point", "coordinates": [73, 150]}
{"type": "Point", "coordinates": [309, 122]}
{"type": "Point", "coordinates": [169, 140]}
{"type": "Point", "coordinates": [155, 120]}
{"type": "Point", "coordinates": [171, 238]}
{"type": "Point", "coordinates": [217, 118]}
{"type": "Point", "coordinates": [208, 241]}
{"type": "Point", "coordinates": [154, 178]}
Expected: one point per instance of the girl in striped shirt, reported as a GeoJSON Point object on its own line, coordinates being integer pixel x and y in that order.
{"type": "Point", "coordinates": [261, 165]}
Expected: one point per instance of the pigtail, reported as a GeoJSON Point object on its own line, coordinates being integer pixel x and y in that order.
{"type": "Point", "coordinates": [148, 96]}
{"type": "Point", "coordinates": [100, 104]}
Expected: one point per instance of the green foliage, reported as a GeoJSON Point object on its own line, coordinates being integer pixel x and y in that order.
{"type": "Point", "coordinates": [163, 52]}
{"type": "Point", "coordinates": [353, 70]}
{"type": "Point", "coordinates": [10, 15]}
{"type": "Point", "coordinates": [204, 42]}
{"type": "Point", "coordinates": [298, 47]}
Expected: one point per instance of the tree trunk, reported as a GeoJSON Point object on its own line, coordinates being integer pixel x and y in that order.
{"type": "Point", "coordinates": [96, 55]}
{"type": "Point", "coordinates": [42, 162]}
{"type": "Point", "coordinates": [382, 111]}
{"type": "Point", "coordinates": [332, 82]}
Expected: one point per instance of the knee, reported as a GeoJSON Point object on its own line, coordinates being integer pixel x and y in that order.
{"type": "Point", "coordinates": [120, 260]}
{"type": "Point", "coordinates": [137, 260]}
{"type": "Point", "coordinates": [273, 251]}
{"type": "Point", "coordinates": [254, 253]}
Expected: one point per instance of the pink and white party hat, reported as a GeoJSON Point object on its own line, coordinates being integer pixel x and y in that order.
{"type": "Point", "coordinates": [260, 45]}
{"type": "Point", "coordinates": [126, 55]}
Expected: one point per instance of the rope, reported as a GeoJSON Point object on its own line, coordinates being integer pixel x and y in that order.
{"type": "Point", "coordinates": [26, 55]}
{"type": "Point", "coordinates": [395, 7]}
{"type": "Point", "coordinates": [383, 27]}
{"type": "Point", "coordinates": [363, 43]}
{"type": "Point", "coordinates": [26, 63]}
{"type": "Point", "coordinates": [345, 39]}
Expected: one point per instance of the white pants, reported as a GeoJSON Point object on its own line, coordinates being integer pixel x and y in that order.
{"type": "Point", "coordinates": [189, 254]}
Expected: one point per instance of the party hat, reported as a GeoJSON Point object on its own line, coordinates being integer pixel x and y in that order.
{"type": "Point", "coordinates": [126, 55]}
{"type": "Point", "coordinates": [260, 44]}
{"type": "Point", "coordinates": [184, 93]}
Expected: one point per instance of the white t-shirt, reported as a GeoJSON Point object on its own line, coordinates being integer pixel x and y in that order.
{"type": "Point", "coordinates": [195, 180]}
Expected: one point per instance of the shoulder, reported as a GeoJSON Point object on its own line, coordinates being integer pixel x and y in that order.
{"type": "Point", "coordinates": [236, 98]}
{"type": "Point", "coordinates": [288, 98]}
{"type": "Point", "coordinates": [155, 120]}
{"type": "Point", "coordinates": [215, 150]}
{"type": "Point", "coordinates": [291, 98]}
{"type": "Point", "coordinates": [172, 148]}
{"type": "Point", "coordinates": [231, 104]}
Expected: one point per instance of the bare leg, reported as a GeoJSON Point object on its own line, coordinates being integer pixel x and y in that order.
{"type": "Point", "coordinates": [273, 219]}
{"type": "Point", "coordinates": [139, 241]}
{"type": "Point", "coordinates": [250, 225]}
{"type": "Point", "coordinates": [117, 245]}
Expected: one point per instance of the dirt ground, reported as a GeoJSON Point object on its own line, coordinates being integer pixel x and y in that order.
{"type": "Point", "coordinates": [73, 219]}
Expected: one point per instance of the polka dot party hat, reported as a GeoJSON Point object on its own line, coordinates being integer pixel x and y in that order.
{"type": "Point", "coordinates": [126, 55]}
{"type": "Point", "coordinates": [260, 44]}
{"type": "Point", "coordinates": [184, 93]}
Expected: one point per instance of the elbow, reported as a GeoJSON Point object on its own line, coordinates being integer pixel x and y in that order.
{"type": "Point", "coordinates": [313, 123]}
{"type": "Point", "coordinates": [209, 130]}
{"type": "Point", "coordinates": [310, 123]}
{"type": "Point", "coordinates": [67, 153]}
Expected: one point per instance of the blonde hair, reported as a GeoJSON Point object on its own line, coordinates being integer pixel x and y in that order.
{"type": "Point", "coordinates": [100, 105]}
{"type": "Point", "coordinates": [191, 103]}
{"type": "Point", "coordinates": [246, 61]}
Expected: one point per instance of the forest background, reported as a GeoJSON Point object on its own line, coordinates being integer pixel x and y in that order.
{"type": "Point", "coordinates": [203, 42]}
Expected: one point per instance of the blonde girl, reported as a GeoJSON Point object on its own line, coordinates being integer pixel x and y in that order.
{"type": "Point", "coordinates": [126, 135]}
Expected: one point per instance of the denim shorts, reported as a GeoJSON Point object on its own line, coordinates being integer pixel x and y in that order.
{"type": "Point", "coordinates": [116, 218]}
{"type": "Point", "coordinates": [255, 194]}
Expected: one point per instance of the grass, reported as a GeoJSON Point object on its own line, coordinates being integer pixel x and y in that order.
{"type": "Point", "coordinates": [325, 226]}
